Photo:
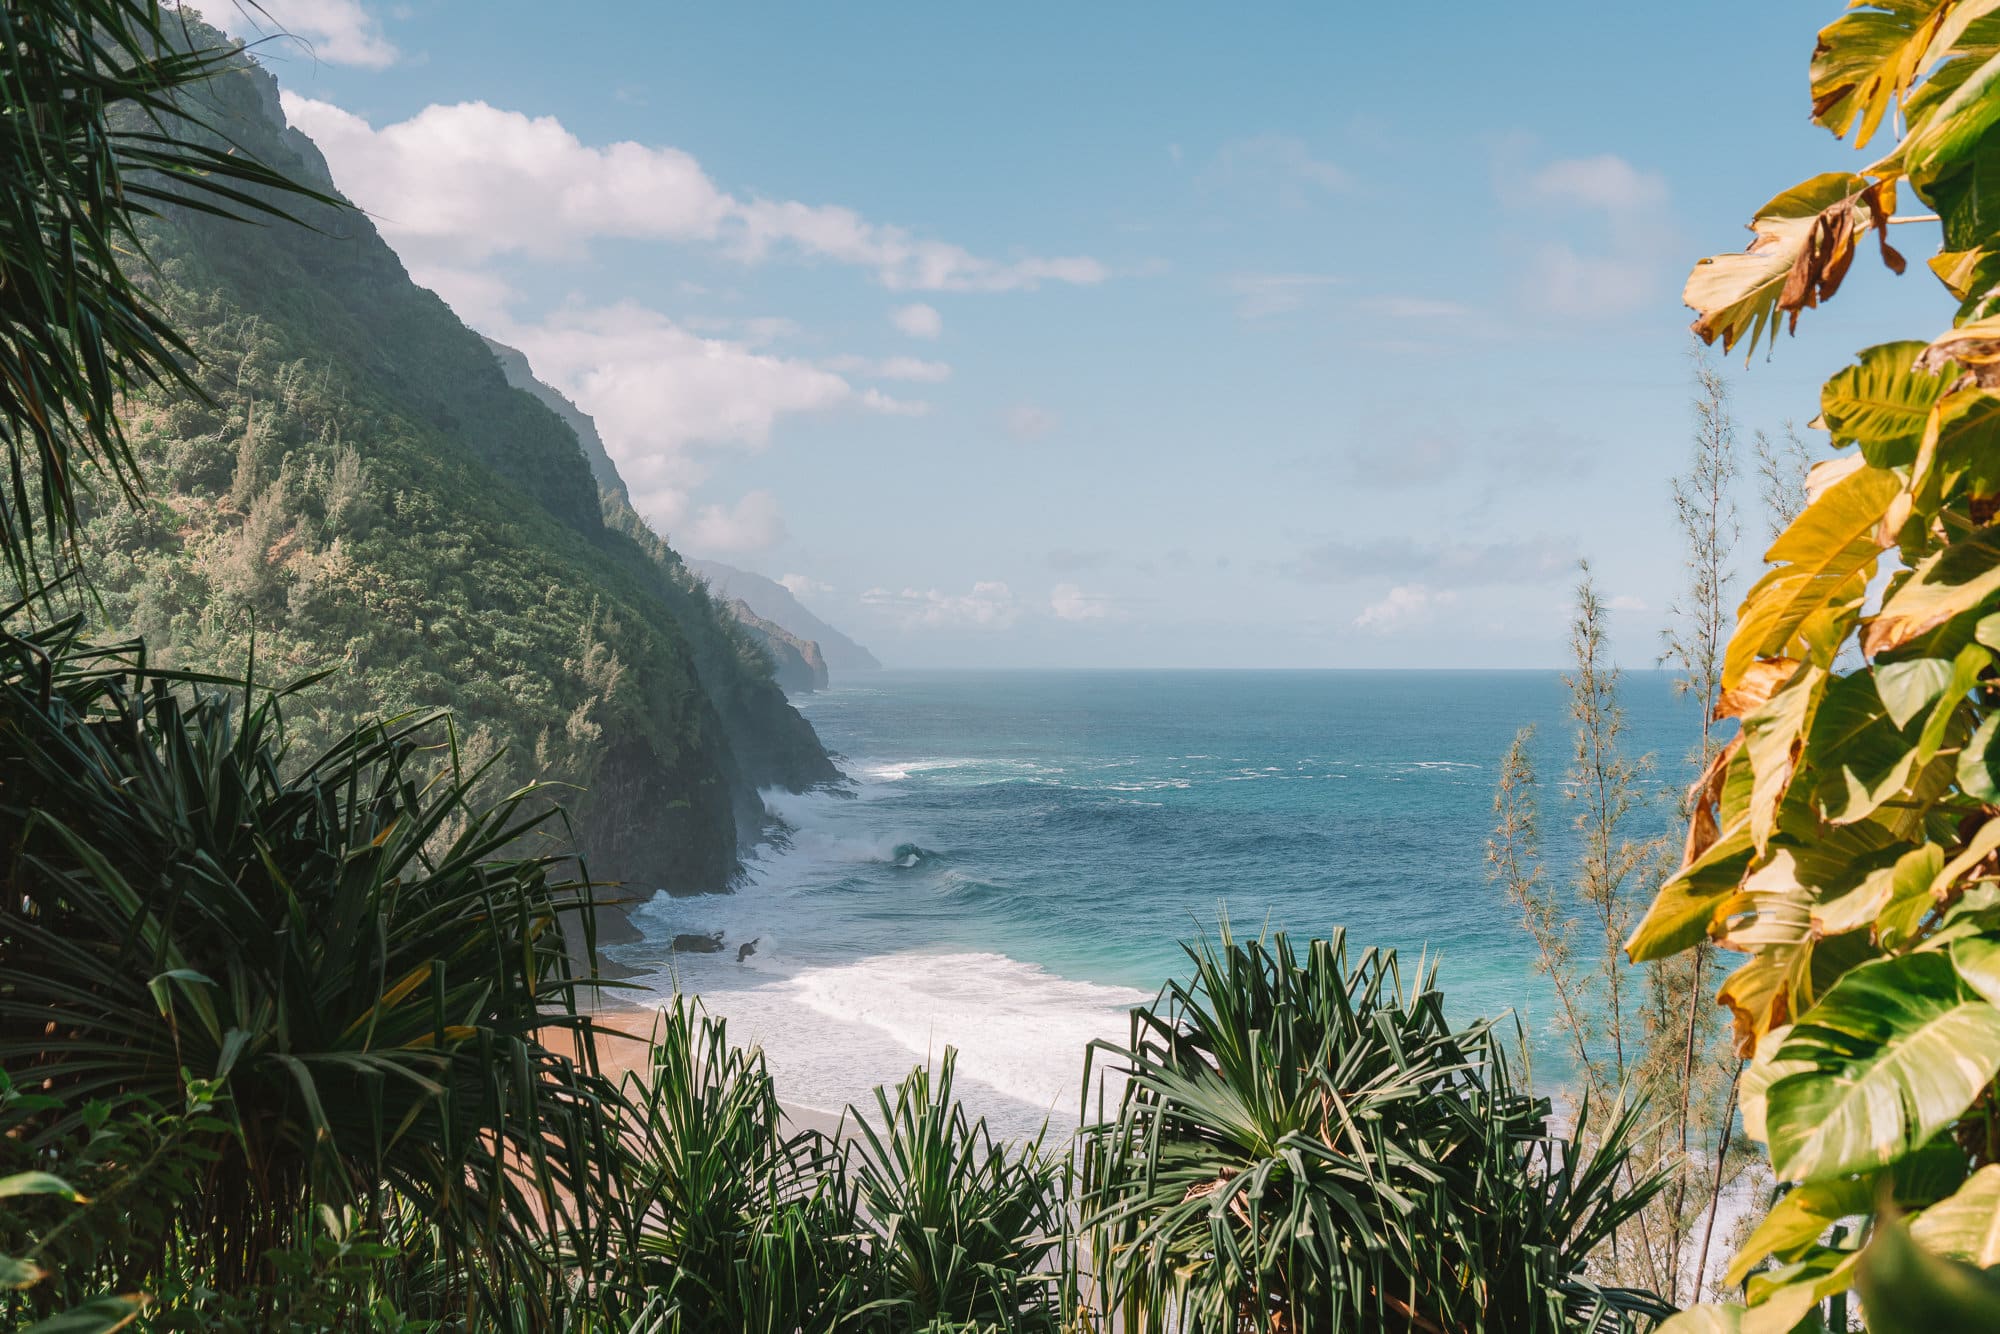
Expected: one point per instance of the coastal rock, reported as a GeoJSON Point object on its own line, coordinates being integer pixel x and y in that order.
{"type": "Point", "coordinates": [696, 942]}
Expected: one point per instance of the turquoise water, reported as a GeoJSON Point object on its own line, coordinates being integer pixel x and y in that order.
{"type": "Point", "coordinates": [1018, 854]}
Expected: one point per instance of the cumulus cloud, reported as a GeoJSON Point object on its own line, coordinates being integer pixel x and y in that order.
{"type": "Point", "coordinates": [1405, 605]}
{"type": "Point", "coordinates": [918, 320]}
{"type": "Point", "coordinates": [339, 32]}
{"type": "Point", "coordinates": [1628, 602]}
{"type": "Point", "coordinates": [804, 585]}
{"type": "Point", "coordinates": [1027, 421]}
{"type": "Point", "coordinates": [470, 181]}
{"type": "Point", "coordinates": [661, 394]}
{"type": "Point", "coordinates": [1071, 603]}
{"type": "Point", "coordinates": [753, 523]}
{"type": "Point", "coordinates": [989, 605]}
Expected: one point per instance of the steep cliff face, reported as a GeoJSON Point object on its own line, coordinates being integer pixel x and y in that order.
{"type": "Point", "coordinates": [796, 663]}
{"type": "Point", "coordinates": [772, 601]}
{"type": "Point", "coordinates": [365, 491]}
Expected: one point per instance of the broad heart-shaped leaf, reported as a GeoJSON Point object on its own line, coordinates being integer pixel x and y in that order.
{"type": "Point", "coordinates": [1859, 757]}
{"type": "Point", "coordinates": [1764, 1070]}
{"type": "Point", "coordinates": [1780, 1298]}
{"type": "Point", "coordinates": [1736, 295]}
{"type": "Point", "coordinates": [1907, 1289]}
{"type": "Point", "coordinates": [1772, 736]}
{"type": "Point", "coordinates": [1967, 1225]}
{"type": "Point", "coordinates": [1979, 762]}
{"type": "Point", "coordinates": [1881, 403]}
{"type": "Point", "coordinates": [1866, 60]}
{"type": "Point", "coordinates": [1943, 145]}
{"type": "Point", "coordinates": [1899, 1048]}
{"type": "Point", "coordinates": [1831, 543]}
{"type": "Point", "coordinates": [1958, 579]}
{"type": "Point", "coordinates": [1684, 909]}
{"type": "Point", "coordinates": [1705, 1320]}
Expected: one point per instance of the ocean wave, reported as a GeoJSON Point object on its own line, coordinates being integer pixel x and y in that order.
{"type": "Point", "coordinates": [1018, 1028]}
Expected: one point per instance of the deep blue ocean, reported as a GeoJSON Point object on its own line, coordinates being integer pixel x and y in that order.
{"type": "Point", "coordinates": [1018, 855]}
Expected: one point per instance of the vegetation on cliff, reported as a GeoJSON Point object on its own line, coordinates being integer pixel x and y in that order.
{"type": "Point", "coordinates": [357, 489]}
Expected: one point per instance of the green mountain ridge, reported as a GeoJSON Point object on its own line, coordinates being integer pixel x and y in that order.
{"type": "Point", "coordinates": [366, 493]}
{"type": "Point", "coordinates": [772, 601]}
{"type": "Point", "coordinates": [797, 664]}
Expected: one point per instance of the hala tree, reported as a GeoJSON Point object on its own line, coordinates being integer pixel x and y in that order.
{"type": "Point", "coordinates": [1847, 839]}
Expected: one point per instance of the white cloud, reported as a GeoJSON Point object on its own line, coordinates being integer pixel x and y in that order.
{"type": "Point", "coordinates": [1606, 182]}
{"type": "Point", "coordinates": [918, 320]}
{"type": "Point", "coordinates": [1635, 247]}
{"type": "Point", "coordinates": [470, 181]}
{"type": "Point", "coordinates": [1568, 282]}
{"type": "Point", "coordinates": [990, 605]}
{"type": "Point", "coordinates": [804, 585]}
{"type": "Point", "coordinates": [1405, 605]}
{"type": "Point", "coordinates": [339, 32]}
{"type": "Point", "coordinates": [1026, 421]}
{"type": "Point", "coordinates": [753, 523]}
{"type": "Point", "coordinates": [891, 368]}
{"type": "Point", "coordinates": [1261, 295]}
{"type": "Point", "coordinates": [661, 394]}
{"type": "Point", "coordinates": [1071, 603]}
{"type": "Point", "coordinates": [1627, 602]}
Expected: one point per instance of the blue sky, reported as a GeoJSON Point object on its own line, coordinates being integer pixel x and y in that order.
{"type": "Point", "coordinates": [1116, 335]}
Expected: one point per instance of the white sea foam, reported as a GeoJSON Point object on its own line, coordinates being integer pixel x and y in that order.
{"type": "Point", "coordinates": [832, 1034]}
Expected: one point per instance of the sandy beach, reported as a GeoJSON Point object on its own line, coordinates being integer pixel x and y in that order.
{"type": "Point", "coordinates": [623, 1031]}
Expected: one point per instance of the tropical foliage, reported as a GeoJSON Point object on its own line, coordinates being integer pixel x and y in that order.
{"type": "Point", "coordinates": [1845, 840]}
{"type": "Point", "coordinates": [1305, 1144]}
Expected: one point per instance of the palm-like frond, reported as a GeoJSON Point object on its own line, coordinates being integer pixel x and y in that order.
{"type": "Point", "coordinates": [1304, 1143]}
{"type": "Point", "coordinates": [345, 954]}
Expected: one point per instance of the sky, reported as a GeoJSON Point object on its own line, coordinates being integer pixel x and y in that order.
{"type": "Point", "coordinates": [1117, 335]}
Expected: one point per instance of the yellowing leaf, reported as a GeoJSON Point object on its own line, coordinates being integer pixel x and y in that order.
{"type": "Point", "coordinates": [1773, 736]}
{"type": "Point", "coordinates": [1803, 241]}
{"type": "Point", "coordinates": [1686, 906]}
{"type": "Point", "coordinates": [1881, 403]}
{"type": "Point", "coordinates": [1965, 1226]}
{"type": "Point", "coordinates": [1957, 579]}
{"type": "Point", "coordinates": [1867, 59]}
{"type": "Point", "coordinates": [1825, 548]}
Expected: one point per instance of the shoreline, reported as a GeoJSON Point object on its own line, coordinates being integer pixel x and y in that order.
{"type": "Point", "coordinates": [623, 1030]}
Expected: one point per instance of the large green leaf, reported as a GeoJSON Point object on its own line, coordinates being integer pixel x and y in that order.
{"type": "Point", "coordinates": [1817, 558]}
{"type": "Point", "coordinates": [1908, 1290]}
{"type": "Point", "coordinates": [1942, 147]}
{"type": "Point", "coordinates": [1881, 403]}
{"type": "Point", "coordinates": [1859, 755]}
{"type": "Point", "coordinates": [1899, 1049]}
{"type": "Point", "coordinates": [1685, 908]}
{"type": "Point", "coordinates": [1957, 579]}
{"type": "Point", "coordinates": [1967, 1225]}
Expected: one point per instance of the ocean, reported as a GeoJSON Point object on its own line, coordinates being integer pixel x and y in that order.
{"type": "Point", "coordinates": [1018, 855]}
